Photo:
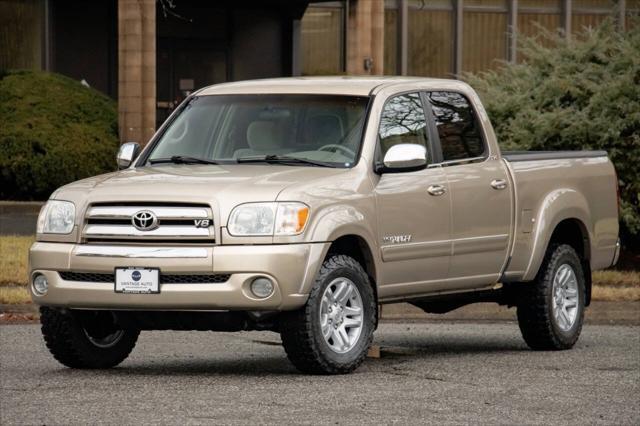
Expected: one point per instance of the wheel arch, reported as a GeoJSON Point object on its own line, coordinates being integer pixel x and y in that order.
{"type": "Point", "coordinates": [563, 216]}
{"type": "Point", "coordinates": [573, 232]}
{"type": "Point", "coordinates": [357, 247]}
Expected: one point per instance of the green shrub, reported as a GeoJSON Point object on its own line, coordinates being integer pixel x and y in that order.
{"type": "Point", "coordinates": [53, 130]}
{"type": "Point", "coordinates": [579, 94]}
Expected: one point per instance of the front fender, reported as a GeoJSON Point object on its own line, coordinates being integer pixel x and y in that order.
{"type": "Point", "coordinates": [558, 205]}
{"type": "Point", "coordinates": [341, 220]}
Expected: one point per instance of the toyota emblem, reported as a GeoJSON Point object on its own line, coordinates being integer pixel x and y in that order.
{"type": "Point", "coordinates": [144, 220]}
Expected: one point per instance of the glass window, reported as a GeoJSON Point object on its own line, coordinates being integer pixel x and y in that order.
{"type": "Point", "coordinates": [321, 41]}
{"type": "Point", "coordinates": [633, 13]}
{"type": "Point", "coordinates": [430, 38]}
{"type": "Point", "coordinates": [458, 130]}
{"type": "Point", "coordinates": [536, 14]}
{"type": "Point", "coordinates": [21, 34]}
{"type": "Point", "coordinates": [230, 129]}
{"type": "Point", "coordinates": [590, 13]}
{"type": "Point", "coordinates": [390, 41]}
{"type": "Point", "coordinates": [484, 38]}
{"type": "Point", "coordinates": [402, 121]}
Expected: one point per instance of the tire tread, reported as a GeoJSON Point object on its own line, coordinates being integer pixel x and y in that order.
{"type": "Point", "coordinates": [297, 328]}
{"type": "Point", "coordinates": [534, 313]}
{"type": "Point", "coordinates": [61, 336]}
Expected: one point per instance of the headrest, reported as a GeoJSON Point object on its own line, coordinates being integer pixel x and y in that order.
{"type": "Point", "coordinates": [265, 135]}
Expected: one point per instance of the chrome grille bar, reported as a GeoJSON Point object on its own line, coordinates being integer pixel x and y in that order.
{"type": "Point", "coordinates": [125, 212]}
{"type": "Point", "coordinates": [103, 231]}
{"type": "Point", "coordinates": [174, 223]}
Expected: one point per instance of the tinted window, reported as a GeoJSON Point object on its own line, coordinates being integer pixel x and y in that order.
{"type": "Point", "coordinates": [457, 126]}
{"type": "Point", "coordinates": [402, 121]}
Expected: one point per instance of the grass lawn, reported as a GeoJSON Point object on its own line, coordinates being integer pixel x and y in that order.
{"type": "Point", "coordinates": [14, 258]}
{"type": "Point", "coordinates": [610, 285]}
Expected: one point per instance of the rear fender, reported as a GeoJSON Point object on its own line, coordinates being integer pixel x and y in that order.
{"type": "Point", "coordinates": [558, 205]}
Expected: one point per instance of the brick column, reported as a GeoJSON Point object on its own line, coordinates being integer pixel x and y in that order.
{"type": "Point", "coordinates": [136, 70]}
{"type": "Point", "coordinates": [365, 37]}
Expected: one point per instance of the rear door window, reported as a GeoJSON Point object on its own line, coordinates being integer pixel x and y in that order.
{"type": "Point", "coordinates": [457, 125]}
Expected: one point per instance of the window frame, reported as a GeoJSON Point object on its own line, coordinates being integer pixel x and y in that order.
{"type": "Point", "coordinates": [486, 153]}
{"type": "Point", "coordinates": [432, 157]}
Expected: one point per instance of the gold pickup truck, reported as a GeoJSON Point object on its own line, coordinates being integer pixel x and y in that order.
{"type": "Point", "coordinates": [300, 205]}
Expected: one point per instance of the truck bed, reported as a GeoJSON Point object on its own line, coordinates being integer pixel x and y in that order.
{"type": "Point", "coordinates": [552, 185]}
{"type": "Point", "coordinates": [514, 156]}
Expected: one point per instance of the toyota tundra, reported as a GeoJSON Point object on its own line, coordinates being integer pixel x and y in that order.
{"type": "Point", "coordinates": [301, 205]}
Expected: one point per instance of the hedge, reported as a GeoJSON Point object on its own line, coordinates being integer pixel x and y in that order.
{"type": "Point", "coordinates": [53, 130]}
{"type": "Point", "coordinates": [582, 93]}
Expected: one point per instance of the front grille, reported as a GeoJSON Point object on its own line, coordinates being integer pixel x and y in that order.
{"type": "Point", "coordinates": [92, 277]}
{"type": "Point", "coordinates": [171, 222]}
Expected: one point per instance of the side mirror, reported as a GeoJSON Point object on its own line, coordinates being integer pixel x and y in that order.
{"type": "Point", "coordinates": [127, 153]}
{"type": "Point", "coordinates": [405, 157]}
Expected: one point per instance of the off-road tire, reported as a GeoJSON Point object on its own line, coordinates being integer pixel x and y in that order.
{"type": "Point", "coordinates": [67, 341]}
{"type": "Point", "coordinates": [300, 330]}
{"type": "Point", "coordinates": [535, 310]}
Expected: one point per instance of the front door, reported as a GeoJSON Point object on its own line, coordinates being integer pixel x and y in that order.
{"type": "Point", "coordinates": [480, 193]}
{"type": "Point", "coordinates": [413, 208]}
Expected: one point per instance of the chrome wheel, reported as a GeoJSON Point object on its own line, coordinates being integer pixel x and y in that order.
{"type": "Point", "coordinates": [565, 297]}
{"type": "Point", "coordinates": [341, 313]}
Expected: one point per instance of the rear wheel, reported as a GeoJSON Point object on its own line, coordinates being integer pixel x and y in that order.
{"type": "Point", "coordinates": [332, 333]}
{"type": "Point", "coordinates": [551, 311]}
{"type": "Point", "coordinates": [86, 339]}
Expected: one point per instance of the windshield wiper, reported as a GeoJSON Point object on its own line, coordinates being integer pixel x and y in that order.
{"type": "Point", "coordinates": [283, 159]}
{"type": "Point", "coordinates": [181, 159]}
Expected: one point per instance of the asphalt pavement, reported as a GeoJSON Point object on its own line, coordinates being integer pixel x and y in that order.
{"type": "Point", "coordinates": [444, 372]}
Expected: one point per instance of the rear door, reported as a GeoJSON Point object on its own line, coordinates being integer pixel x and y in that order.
{"type": "Point", "coordinates": [480, 193]}
{"type": "Point", "coordinates": [413, 207]}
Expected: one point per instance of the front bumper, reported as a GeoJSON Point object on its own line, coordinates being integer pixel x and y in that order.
{"type": "Point", "coordinates": [292, 267]}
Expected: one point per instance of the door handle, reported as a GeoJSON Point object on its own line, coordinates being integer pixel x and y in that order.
{"type": "Point", "coordinates": [436, 190]}
{"type": "Point", "coordinates": [498, 184]}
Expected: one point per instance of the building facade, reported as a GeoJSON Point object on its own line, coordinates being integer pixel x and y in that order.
{"type": "Point", "coordinates": [150, 54]}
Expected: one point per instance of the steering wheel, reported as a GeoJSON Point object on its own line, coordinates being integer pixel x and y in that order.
{"type": "Point", "coordinates": [332, 147]}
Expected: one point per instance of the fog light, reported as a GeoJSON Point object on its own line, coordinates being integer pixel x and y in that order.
{"type": "Point", "coordinates": [40, 285]}
{"type": "Point", "coordinates": [262, 287]}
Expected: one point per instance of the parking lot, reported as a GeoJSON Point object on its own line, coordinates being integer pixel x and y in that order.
{"type": "Point", "coordinates": [428, 372]}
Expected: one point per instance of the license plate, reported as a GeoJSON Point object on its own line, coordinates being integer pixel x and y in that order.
{"type": "Point", "coordinates": [137, 280]}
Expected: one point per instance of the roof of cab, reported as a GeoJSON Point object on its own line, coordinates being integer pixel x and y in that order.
{"type": "Point", "coordinates": [355, 86]}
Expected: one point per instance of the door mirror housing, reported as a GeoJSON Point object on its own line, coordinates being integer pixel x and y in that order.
{"type": "Point", "coordinates": [127, 154]}
{"type": "Point", "coordinates": [404, 157]}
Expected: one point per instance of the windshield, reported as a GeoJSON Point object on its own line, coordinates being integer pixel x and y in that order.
{"type": "Point", "coordinates": [321, 129]}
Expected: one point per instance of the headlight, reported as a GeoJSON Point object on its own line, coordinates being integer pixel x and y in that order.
{"type": "Point", "coordinates": [56, 217]}
{"type": "Point", "coordinates": [265, 219]}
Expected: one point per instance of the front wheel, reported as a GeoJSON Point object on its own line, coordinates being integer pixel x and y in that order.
{"type": "Point", "coordinates": [86, 339]}
{"type": "Point", "coordinates": [332, 333]}
{"type": "Point", "coordinates": [551, 311]}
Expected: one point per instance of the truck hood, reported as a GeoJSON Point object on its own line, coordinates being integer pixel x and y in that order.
{"type": "Point", "coordinates": [222, 186]}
